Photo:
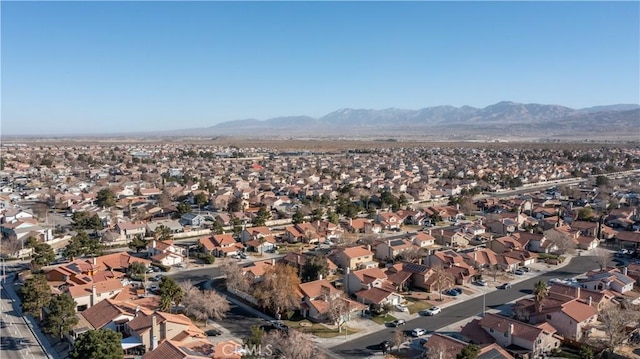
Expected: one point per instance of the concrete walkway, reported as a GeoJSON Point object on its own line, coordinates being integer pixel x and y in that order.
{"type": "Point", "coordinates": [29, 321]}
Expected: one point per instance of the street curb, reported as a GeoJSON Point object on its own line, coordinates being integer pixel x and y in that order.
{"type": "Point", "coordinates": [30, 323]}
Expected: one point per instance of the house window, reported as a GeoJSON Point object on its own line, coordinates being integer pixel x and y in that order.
{"type": "Point", "coordinates": [506, 334]}
{"type": "Point", "coordinates": [548, 316]}
{"type": "Point", "coordinates": [491, 330]}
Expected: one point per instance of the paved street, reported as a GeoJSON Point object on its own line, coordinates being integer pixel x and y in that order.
{"type": "Point", "coordinates": [17, 340]}
{"type": "Point", "coordinates": [363, 346]}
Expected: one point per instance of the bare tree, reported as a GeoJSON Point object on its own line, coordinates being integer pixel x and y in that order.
{"type": "Point", "coordinates": [614, 321]}
{"type": "Point", "coordinates": [494, 269]}
{"type": "Point", "coordinates": [279, 289]}
{"type": "Point", "coordinates": [564, 243]}
{"type": "Point", "coordinates": [339, 310]}
{"type": "Point", "coordinates": [602, 257]}
{"type": "Point", "coordinates": [442, 278]}
{"type": "Point", "coordinates": [412, 255]}
{"type": "Point", "coordinates": [291, 345]}
{"type": "Point", "coordinates": [438, 351]}
{"type": "Point", "coordinates": [203, 305]}
{"type": "Point", "coordinates": [397, 339]}
{"type": "Point", "coordinates": [520, 313]}
{"type": "Point", "coordinates": [234, 277]}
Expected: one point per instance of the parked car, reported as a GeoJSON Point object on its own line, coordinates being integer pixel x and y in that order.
{"type": "Point", "coordinates": [432, 311]}
{"type": "Point", "coordinates": [213, 332]}
{"type": "Point", "coordinates": [401, 308]}
{"type": "Point", "coordinates": [385, 345]}
{"type": "Point", "coordinates": [518, 272]}
{"type": "Point", "coordinates": [451, 292]}
{"type": "Point", "coordinates": [504, 286]}
{"type": "Point", "coordinates": [418, 332]}
{"type": "Point", "coordinates": [457, 289]}
{"type": "Point", "coordinates": [243, 255]}
{"type": "Point", "coordinates": [481, 282]}
{"type": "Point", "coordinates": [526, 269]}
{"type": "Point", "coordinates": [279, 325]}
{"type": "Point", "coordinates": [398, 322]}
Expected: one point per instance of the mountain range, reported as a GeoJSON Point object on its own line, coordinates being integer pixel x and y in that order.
{"type": "Point", "coordinates": [502, 120]}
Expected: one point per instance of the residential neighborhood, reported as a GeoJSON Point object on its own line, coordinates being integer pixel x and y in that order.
{"type": "Point", "coordinates": [160, 242]}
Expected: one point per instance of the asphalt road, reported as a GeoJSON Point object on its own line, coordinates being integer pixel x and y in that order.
{"type": "Point", "coordinates": [16, 341]}
{"type": "Point", "coordinates": [362, 347]}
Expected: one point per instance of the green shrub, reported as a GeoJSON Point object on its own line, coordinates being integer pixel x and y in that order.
{"type": "Point", "coordinates": [206, 258]}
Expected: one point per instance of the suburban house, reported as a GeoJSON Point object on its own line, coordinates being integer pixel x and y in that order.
{"type": "Point", "coordinates": [128, 230]}
{"type": "Point", "coordinates": [90, 294]}
{"type": "Point", "coordinates": [537, 243]}
{"type": "Point", "coordinates": [220, 245]}
{"type": "Point", "coordinates": [517, 337]}
{"type": "Point", "coordinates": [298, 260]}
{"type": "Point", "coordinates": [317, 300]}
{"type": "Point", "coordinates": [388, 250]}
{"type": "Point", "coordinates": [166, 253]}
{"type": "Point", "coordinates": [362, 225]}
{"type": "Point", "coordinates": [147, 330]}
{"type": "Point", "coordinates": [358, 280]}
{"type": "Point", "coordinates": [353, 257]}
{"type": "Point", "coordinates": [445, 347]}
{"type": "Point", "coordinates": [196, 349]}
{"type": "Point", "coordinates": [255, 233]}
{"type": "Point", "coordinates": [301, 232]}
{"type": "Point", "coordinates": [612, 279]}
{"type": "Point", "coordinates": [173, 226]}
{"type": "Point", "coordinates": [254, 272]}
{"type": "Point", "coordinates": [388, 220]}
{"type": "Point", "coordinates": [192, 220]}
{"type": "Point", "coordinates": [424, 240]}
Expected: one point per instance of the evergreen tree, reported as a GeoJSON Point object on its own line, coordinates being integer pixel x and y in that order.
{"type": "Point", "coordinates": [138, 243]}
{"type": "Point", "coordinates": [36, 294]}
{"type": "Point", "coordinates": [61, 316]}
{"type": "Point", "coordinates": [42, 255]}
{"type": "Point", "coordinates": [98, 344]}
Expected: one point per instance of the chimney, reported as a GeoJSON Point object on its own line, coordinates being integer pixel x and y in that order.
{"type": "Point", "coordinates": [368, 247]}
{"type": "Point", "coordinates": [510, 330]}
{"type": "Point", "coordinates": [624, 270]}
{"type": "Point", "coordinates": [137, 310]}
{"type": "Point", "coordinates": [92, 300]}
{"type": "Point", "coordinates": [320, 276]}
{"type": "Point", "coordinates": [153, 341]}
{"type": "Point", "coordinates": [350, 222]}
{"type": "Point", "coordinates": [153, 243]}
{"type": "Point", "coordinates": [95, 262]}
{"type": "Point", "coordinates": [389, 242]}
{"type": "Point", "coordinates": [589, 300]}
{"type": "Point", "coordinates": [578, 293]}
{"type": "Point", "coordinates": [273, 261]}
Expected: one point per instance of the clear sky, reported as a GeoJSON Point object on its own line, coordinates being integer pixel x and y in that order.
{"type": "Point", "coordinates": [99, 67]}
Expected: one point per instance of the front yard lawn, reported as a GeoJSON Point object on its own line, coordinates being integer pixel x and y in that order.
{"type": "Point", "coordinates": [416, 306]}
{"type": "Point", "coordinates": [381, 319]}
{"type": "Point", "coordinates": [318, 329]}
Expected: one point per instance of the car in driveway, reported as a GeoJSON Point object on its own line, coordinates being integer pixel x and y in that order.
{"type": "Point", "coordinates": [481, 282]}
{"type": "Point", "coordinates": [401, 308]}
{"type": "Point", "coordinates": [432, 311]}
{"type": "Point", "coordinates": [518, 272]}
{"type": "Point", "coordinates": [504, 286]}
{"type": "Point", "coordinates": [451, 292]}
{"type": "Point", "coordinates": [418, 332]}
{"type": "Point", "coordinates": [398, 322]}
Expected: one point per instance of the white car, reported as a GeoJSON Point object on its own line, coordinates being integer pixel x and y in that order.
{"type": "Point", "coordinates": [401, 308]}
{"type": "Point", "coordinates": [418, 332]}
{"type": "Point", "coordinates": [433, 311]}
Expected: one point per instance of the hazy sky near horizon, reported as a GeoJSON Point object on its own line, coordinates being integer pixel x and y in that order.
{"type": "Point", "coordinates": [113, 67]}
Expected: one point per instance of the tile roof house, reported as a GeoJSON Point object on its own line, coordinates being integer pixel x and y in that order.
{"type": "Point", "coordinates": [254, 233]}
{"type": "Point", "coordinates": [147, 330]}
{"type": "Point", "coordinates": [128, 230]}
{"type": "Point", "coordinates": [220, 245]}
{"type": "Point", "coordinates": [317, 297]}
{"type": "Point", "coordinates": [388, 250]}
{"type": "Point", "coordinates": [90, 294]}
{"type": "Point", "coordinates": [166, 252]}
{"type": "Point", "coordinates": [353, 257]}
{"type": "Point", "coordinates": [612, 279]}
{"type": "Point", "coordinates": [196, 349]}
{"type": "Point", "coordinates": [445, 347]}
{"type": "Point", "coordinates": [518, 337]}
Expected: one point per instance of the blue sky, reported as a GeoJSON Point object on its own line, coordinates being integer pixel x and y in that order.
{"type": "Point", "coordinates": [99, 67]}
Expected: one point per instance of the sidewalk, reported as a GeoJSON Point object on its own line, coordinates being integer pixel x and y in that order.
{"type": "Point", "coordinates": [29, 321]}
